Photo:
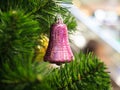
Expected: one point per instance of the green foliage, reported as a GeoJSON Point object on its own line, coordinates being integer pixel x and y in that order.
{"type": "Point", "coordinates": [46, 16]}
{"type": "Point", "coordinates": [27, 5]}
{"type": "Point", "coordinates": [85, 73]}
{"type": "Point", "coordinates": [23, 74]}
{"type": "Point", "coordinates": [20, 70]}
{"type": "Point", "coordinates": [43, 10]}
{"type": "Point", "coordinates": [18, 33]}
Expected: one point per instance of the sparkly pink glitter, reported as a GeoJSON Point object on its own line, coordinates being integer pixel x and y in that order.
{"type": "Point", "coordinates": [58, 50]}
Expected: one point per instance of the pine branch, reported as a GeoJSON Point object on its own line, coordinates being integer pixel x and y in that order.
{"type": "Point", "coordinates": [85, 73]}
{"type": "Point", "coordinates": [46, 16]}
{"type": "Point", "coordinates": [23, 74]}
{"type": "Point", "coordinates": [18, 34]}
{"type": "Point", "coordinates": [44, 11]}
{"type": "Point", "coordinates": [27, 5]}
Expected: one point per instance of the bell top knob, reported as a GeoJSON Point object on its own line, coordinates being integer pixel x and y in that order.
{"type": "Point", "coordinates": [58, 19]}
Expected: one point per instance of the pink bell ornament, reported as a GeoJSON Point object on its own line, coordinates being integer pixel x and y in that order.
{"type": "Point", "coordinates": [58, 50]}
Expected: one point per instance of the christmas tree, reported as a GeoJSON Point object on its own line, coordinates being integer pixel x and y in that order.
{"type": "Point", "coordinates": [24, 28]}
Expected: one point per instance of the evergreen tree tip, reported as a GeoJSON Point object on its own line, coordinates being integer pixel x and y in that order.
{"type": "Point", "coordinates": [86, 72]}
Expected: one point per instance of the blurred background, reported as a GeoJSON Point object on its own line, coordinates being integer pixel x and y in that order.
{"type": "Point", "coordinates": [98, 31]}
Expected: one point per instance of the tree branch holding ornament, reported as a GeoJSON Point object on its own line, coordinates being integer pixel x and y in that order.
{"type": "Point", "coordinates": [25, 22]}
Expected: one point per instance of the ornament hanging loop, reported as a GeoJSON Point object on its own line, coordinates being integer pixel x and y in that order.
{"type": "Point", "coordinates": [58, 18]}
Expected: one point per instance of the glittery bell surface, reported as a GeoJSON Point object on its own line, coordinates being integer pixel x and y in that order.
{"type": "Point", "coordinates": [58, 50]}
